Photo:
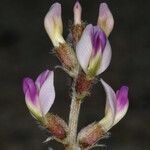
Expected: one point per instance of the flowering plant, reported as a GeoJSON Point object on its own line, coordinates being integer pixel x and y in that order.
{"type": "Point", "coordinates": [85, 55]}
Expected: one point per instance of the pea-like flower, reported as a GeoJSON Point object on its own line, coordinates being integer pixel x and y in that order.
{"type": "Point", "coordinates": [115, 109]}
{"type": "Point", "coordinates": [53, 24]}
{"type": "Point", "coordinates": [105, 19]}
{"type": "Point", "coordinates": [54, 28]}
{"type": "Point", "coordinates": [93, 51]}
{"type": "Point", "coordinates": [39, 95]}
{"type": "Point", "coordinates": [116, 106]}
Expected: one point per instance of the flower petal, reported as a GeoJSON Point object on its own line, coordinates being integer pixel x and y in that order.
{"type": "Point", "coordinates": [84, 48]}
{"type": "Point", "coordinates": [29, 89]}
{"type": "Point", "coordinates": [77, 13]}
{"type": "Point", "coordinates": [122, 103]}
{"type": "Point", "coordinates": [106, 58]}
{"type": "Point", "coordinates": [47, 93]}
{"type": "Point", "coordinates": [110, 109]}
{"type": "Point", "coordinates": [31, 97]}
{"type": "Point", "coordinates": [98, 40]}
{"type": "Point", "coordinates": [41, 79]}
{"type": "Point", "coordinates": [105, 20]}
{"type": "Point", "coordinates": [53, 24]}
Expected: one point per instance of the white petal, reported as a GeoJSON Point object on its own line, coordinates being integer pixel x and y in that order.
{"type": "Point", "coordinates": [110, 109]}
{"type": "Point", "coordinates": [105, 20]}
{"type": "Point", "coordinates": [121, 114]}
{"type": "Point", "coordinates": [106, 58]}
{"type": "Point", "coordinates": [47, 94]}
{"type": "Point", "coordinates": [84, 48]}
{"type": "Point", "coordinates": [53, 24]}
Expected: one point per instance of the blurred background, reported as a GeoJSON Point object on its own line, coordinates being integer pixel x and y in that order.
{"type": "Point", "coordinates": [25, 50]}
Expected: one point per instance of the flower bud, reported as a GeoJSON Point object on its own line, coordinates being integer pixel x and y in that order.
{"type": "Point", "coordinates": [78, 27]}
{"type": "Point", "coordinates": [105, 19]}
{"type": "Point", "coordinates": [53, 24]}
{"type": "Point", "coordinates": [77, 13]}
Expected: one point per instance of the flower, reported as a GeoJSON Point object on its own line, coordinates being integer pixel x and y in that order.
{"type": "Point", "coordinates": [93, 51]}
{"type": "Point", "coordinates": [39, 95]}
{"type": "Point", "coordinates": [105, 19]}
{"type": "Point", "coordinates": [53, 24]}
{"type": "Point", "coordinates": [64, 52]}
{"type": "Point", "coordinates": [115, 109]}
{"type": "Point", "coordinates": [77, 13]}
{"type": "Point", "coordinates": [116, 106]}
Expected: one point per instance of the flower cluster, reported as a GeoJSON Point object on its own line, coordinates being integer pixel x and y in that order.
{"type": "Point", "coordinates": [84, 55]}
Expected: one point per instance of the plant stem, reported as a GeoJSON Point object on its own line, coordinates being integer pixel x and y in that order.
{"type": "Point", "coordinates": [73, 122]}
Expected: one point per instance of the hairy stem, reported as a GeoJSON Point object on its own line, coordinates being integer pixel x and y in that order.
{"type": "Point", "coordinates": [73, 122]}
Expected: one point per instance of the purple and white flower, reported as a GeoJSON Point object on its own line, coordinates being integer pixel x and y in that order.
{"type": "Point", "coordinates": [105, 19]}
{"type": "Point", "coordinates": [116, 106]}
{"type": "Point", "coordinates": [39, 95]}
{"type": "Point", "coordinates": [93, 51]}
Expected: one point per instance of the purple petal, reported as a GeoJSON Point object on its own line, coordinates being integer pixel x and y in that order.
{"type": "Point", "coordinates": [31, 98]}
{"type": "Point", "coordinates": [122, 103]}
{"type": "Point", "coordinates": [110, 109]}
{"type": "Point", "coordinates": [84, 48]}
{"type": "Point", "coordinates": [98, 39]}
{"type": "Point", "coordinates": [122, 97]}
{"type": "Point", "coordinates": [93, 40]}
{"type": "Point", "coordinates": [29, 89]}
{"type": "Point", "coordinates": [47, 93]}
{"type": "Point", "coordinates": [41, 79]}
{"type": "Point", "coordinates": [106, 58]}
